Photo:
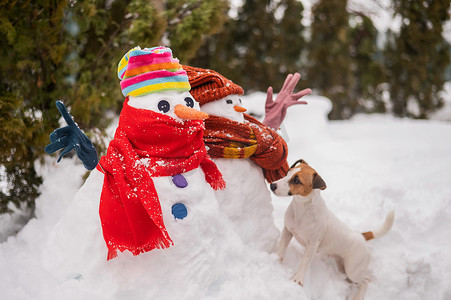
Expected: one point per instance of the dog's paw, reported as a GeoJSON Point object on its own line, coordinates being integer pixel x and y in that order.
{"type": "Point", "coordinates": [298, 280]}
{"type": "Point", "coordinates": [281, 255]}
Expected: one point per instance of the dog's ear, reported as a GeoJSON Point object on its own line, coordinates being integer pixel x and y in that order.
{"type": "Point", "coordinates": [299, 161]}
{"type": "Point", "coordinates": [318, 182]}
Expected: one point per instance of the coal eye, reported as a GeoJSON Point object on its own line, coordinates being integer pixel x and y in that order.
{"type": "Point", "coordinates": [229, 101]}
{"type": "Point", "coordinates": [164, 106]}
{"type": "Point", "coordinates": [189, 102]}
{"type": "Point", "coordinates": [240, 100]}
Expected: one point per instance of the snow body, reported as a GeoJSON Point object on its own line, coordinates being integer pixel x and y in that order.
{"type": "Point", "coordinates": [192, 264]}
{"type": "Point", "coordinates": [246, 199]}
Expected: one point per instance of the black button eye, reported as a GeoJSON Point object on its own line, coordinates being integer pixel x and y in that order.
{"type": "Point", "coordinates": [229, 101]}
{"type": "Point", "coordinates": [240, 100]}
{"type": "Point", "coordinates": [164, 106]}
{"type": "Point", "coordinates": [189, 102]}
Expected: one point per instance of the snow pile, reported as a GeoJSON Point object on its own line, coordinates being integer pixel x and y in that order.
{"type": "Point", "coordinates": [371, 164]}
{"type": "Point", "coordinates": [444, 114]}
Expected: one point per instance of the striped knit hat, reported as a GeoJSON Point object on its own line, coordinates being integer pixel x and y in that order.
{"type": "Point", "coordinates": [208, 85]}
{"type": "Point", "coordinates": [151, 70]}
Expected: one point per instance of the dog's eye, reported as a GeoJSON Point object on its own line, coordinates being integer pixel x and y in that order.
{"type": "Point", "coordinates": [296, 180]}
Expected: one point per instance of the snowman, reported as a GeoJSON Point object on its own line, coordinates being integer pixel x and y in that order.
{"type": "Point", "coordinates": [247, 152]}
{"type": "Point", "coordinates": [153, 190]}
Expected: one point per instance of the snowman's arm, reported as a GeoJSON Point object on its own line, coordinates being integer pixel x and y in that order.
{"type": "Point", "coordinates": [275, 110]}
{"type": "Point", "coordinates": [71, 137]}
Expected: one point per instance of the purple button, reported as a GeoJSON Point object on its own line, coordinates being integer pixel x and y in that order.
{"type": "Point", "coordinates": [179, 181]}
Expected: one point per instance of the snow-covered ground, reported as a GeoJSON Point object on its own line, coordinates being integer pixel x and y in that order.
{"type": "Point", "coordinates": [371, 164]}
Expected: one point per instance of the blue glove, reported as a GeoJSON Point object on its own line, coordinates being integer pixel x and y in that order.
{"type": "Point", "coordinates": [71, 137]}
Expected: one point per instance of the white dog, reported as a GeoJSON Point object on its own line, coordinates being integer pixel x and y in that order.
{"type": "Point", "coordinates": [319, 230]}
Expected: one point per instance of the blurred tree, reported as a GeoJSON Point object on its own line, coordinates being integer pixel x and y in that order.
{"type": "Point", "coordinates": [367, 64]}
{"type": "Point", "coordinates": [417, 57]}
{"type": "Point", "coordinates": [290, 38]}
{"type": "Point", "coordinates": [329, 60]}
{"type": "Point", "coordinates": [191, 22]}
{"type": "Point", "coordinates": [70, 50]}
{"type": "Point", "coordinates": [31, 52]}
{"type": "Point", "coordinates": [258, 48]}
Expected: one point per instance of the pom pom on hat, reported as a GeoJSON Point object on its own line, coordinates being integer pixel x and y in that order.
{"type": "Point", "coordinates": [151, 70]}
{"type": "Point", "coordinates": [208, 85]}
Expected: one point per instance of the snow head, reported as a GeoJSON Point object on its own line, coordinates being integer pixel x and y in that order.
{"type": "Point", "coordinates": [178, 105]}
{"type": "Point", "coordinates": [153, 80]}
{"type": "Point", "coordinates": [216, 94]}
{"type": "Point", "coordinates": [228, 107]}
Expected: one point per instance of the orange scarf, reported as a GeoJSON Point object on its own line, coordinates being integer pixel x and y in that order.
{"type": "Point", "coordinates": [225, 138]}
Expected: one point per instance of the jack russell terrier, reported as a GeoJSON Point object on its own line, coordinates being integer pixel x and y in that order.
{"type": "Point", "coordinates": [317, 229]}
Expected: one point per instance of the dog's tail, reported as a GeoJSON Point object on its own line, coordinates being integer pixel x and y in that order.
{"type": "Point", "coordinates": [369, 235]}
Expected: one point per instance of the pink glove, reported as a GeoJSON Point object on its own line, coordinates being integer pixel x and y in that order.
{"type": "Point", "coordinates": [275, 111]}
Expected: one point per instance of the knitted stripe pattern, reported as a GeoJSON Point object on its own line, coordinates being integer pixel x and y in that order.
{"type": "Point", "coordinates": [225, 138]}
{"type": "Point", "coordinates": [151, 70]}
{"type": "Point", "coordinates": [236, 141]}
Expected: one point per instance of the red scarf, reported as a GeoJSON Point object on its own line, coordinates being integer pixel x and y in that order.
{"type": "Point", "coordinates": [146, 144]}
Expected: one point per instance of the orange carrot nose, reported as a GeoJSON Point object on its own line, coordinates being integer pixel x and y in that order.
{"type": "Point", "coordinates": [188, 113]}
{"type": "Point", "coordinates": [239, 108]}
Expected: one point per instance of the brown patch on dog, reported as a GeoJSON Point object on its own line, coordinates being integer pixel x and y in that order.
{"type": "Point", "coordinates": [368, 235]}
{"type": "Point", "coordinates": [305, 180]}
{"type": "Point", "coordinates": [318, 182]}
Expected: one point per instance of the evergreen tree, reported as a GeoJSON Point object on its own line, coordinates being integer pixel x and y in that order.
{"type": "Point", "coordinates": [70, 50]}
{"type": "Point", "coordinates": [190, 22]}
{"type": "Point", "coordinates": [290, 38]}
{"type": "Point", "coordinates": [31, 52]}
{"type": "Point", "coordinates": [330, 62]}
{"type": "Point", "coordinates": [257, 50]}
{"type": "Point", "coordinates": [368, 70]}
{"type": "Point", "coordinates": [252, 44]}
{"type": "Point", "coordinates": [417, 57]}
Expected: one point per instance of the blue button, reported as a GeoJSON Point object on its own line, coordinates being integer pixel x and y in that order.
{"type": "Point", "coordinates": [179, 210]}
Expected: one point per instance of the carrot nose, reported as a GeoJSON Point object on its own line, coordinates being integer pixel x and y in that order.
{"type": "Point", "coordinates": [239, 108]}
{"type": "Point", "coordinates": [188, 113]}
